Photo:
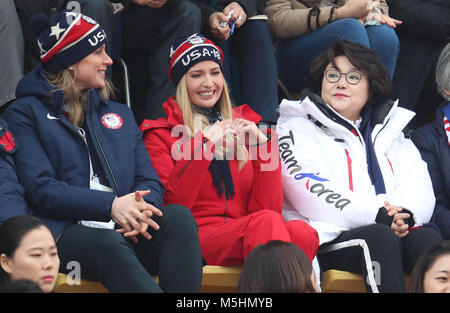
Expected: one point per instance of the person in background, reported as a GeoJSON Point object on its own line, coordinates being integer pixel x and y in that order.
{"type": "Point", "coordinates": [432, 272]}
{"type": "Point", "coordinates": [214, 160]}
{"type": "Point", "coordinates": [433, 142]}
{"type": "Point", "coordinates": [303, 29]}
{"type": "Point", "coordinates": [349, 171]}
{"type": "Point", "coordinates": [11, 52]}
{"type": "Point", "coordinates": [277, 267]}
{"type": "Point", "coordinates": [28, 252]}
{"type": "Point", "coordinates": [87, 174]}
{"type": "Point", "coordinates": [423, 34]}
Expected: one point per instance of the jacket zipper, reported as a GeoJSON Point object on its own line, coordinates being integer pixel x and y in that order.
{"type": "Point", "coordinates": [103, 152]}
{"type": "Point", "coordinates": [350, 174]}
{"type": "Point", "coordinates": [106, 159]}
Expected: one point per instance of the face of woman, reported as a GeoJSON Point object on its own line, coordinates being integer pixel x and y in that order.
{"type": "Point", "coordinates": [347, 99]}
{"type": "Point", "coordinates": [204, 82]}
{"type": "Point", "coordinates": [90, 71]}
{"type": "Point", "coordinates": [36, 259]}
{"type": "Point", "coordinates": [437, 278]}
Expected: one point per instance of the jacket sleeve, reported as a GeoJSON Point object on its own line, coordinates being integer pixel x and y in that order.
{"type": "Point", "coordinates": [308, 184]}
{"type": "Point", "coordinates": [47, 195]}
{"type": "Point", "coordinates": [180, 171]}
{"type": "Point", "coordinates": [11, 192]}
{"type": "Point", "coordinates": [413, 187]}
{"type": "Point", "coordinates": [287, 22]}
{"type": "Point", "coordinates": [146, 177]}
{"type": "Point", "coordinates": [267, 190]}
{"type": "Point", "coordinates": [428, 149]}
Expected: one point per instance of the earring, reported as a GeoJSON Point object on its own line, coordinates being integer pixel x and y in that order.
{"type": "Point", "coordinates": [70, 68]}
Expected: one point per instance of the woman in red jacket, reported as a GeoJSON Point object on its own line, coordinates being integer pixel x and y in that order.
{"type": "Point", "coordinates": [217, 162]}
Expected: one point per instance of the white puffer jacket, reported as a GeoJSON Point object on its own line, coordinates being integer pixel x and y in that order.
{"type": "Point", "coordinates": [324, 169]}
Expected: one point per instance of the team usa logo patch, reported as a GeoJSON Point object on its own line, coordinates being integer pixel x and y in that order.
{"type": "Point", "coordinates": [112, 121]}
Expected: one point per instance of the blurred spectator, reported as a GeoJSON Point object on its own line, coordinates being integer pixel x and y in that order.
{"type": "Point", "coordinates": [28, 251]}
{"type": "Point", "coordinates": [306, 28]}
{"type": "Point", "coordinates": [432, 272]}
{"type": "Point", "coordinates": [11, 52]}
{"type": "Point", "coordinates": [275, 267]}
{"type": "Point", "coordinates": [423, 34]}
{"type": "Point", "coordinates": [433, 141]}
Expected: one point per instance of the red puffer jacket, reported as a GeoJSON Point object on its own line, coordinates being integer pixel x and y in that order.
{"type": "Point", "coordinates": [189, 182]}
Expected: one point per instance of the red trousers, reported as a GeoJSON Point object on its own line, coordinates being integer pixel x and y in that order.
{"type": "Point", "coordinates": [228, 241]}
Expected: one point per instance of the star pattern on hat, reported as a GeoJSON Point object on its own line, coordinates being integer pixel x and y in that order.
{"type": "Point", "coordinates": [40, 47]}
{"type": "Point", "coordinates": [56, 31]}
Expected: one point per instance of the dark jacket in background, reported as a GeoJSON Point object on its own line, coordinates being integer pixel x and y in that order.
{"type": "Point", "coordinates": [433, 145]}
{"type": "Point", "coordinates": [423, 34]}
{"type": "Point", "coordinates": [208, 7]}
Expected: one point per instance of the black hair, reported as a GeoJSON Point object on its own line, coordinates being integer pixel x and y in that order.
{"type": "Point", "coordinates": [363, 58]}
{"type": "Point", "coordinates": [20, 286]}
{"type": "Point", "coordinates": [12, 231]}
{"type": "Point", "coordinates": [425, 262]}
{"type": "Point", "coordinates": [276, 267]}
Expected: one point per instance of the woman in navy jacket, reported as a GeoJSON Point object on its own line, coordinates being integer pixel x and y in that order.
{"type": "Point", "coordinates": [86, 171]}
{"type": "Point", "coordinates": [433, 141]}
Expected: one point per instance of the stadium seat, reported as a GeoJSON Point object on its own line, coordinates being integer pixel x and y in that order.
{"type": "Point", "coordinates": [345, 282]}
{"type": "Point", "coordinates": [222, 279]}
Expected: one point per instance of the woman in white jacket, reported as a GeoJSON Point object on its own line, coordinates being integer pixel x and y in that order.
{"type": "Point", "coordinates": [350, 172]}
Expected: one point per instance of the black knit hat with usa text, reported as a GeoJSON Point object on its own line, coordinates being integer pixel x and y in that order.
{"type": "Point", "coordinates": [66, 38]}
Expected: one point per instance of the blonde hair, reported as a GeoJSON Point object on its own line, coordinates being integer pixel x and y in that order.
{"type": "Point", "coordinates": [76, 100]}
{"type": "Point", "coordinates": [190, 115]}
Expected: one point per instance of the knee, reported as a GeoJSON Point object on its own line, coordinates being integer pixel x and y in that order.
{"type": "Point", "coordinates": [352, 30]}
{"type": "Point", "coordinates": [179, 216]}
{"type": "Point", "coordinates": [384, 234]}
{"type": "Point", "coordinates": [110, 243]}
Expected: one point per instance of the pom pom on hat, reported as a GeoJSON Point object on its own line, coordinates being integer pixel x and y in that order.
{"type": "Point", "coordinates": [66, 38]}
{"type": "Point", "coordinates": [188, 51]}
{"type": "Point", "coordinates": [39, 22]}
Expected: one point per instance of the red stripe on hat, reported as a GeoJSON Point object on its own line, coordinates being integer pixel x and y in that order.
{"type": "Point", "coordinates": [77, 31]}
{"type": "Point", "coordinates": [186, 46]}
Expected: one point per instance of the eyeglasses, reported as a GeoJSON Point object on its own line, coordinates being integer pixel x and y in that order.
{"type": "Point", "coordinates": [352, 77]}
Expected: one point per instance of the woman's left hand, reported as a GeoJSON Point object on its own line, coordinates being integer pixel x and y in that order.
{"type": "Point", "coordinates": [253, 135]}
{"type": "Point", "coordinates": [238, 14]}
{"type": "Point", "coordinates": [385, 19]}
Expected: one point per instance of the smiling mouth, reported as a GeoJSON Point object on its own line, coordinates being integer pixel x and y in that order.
{"type": "Point", "coordinates": [207, 93]}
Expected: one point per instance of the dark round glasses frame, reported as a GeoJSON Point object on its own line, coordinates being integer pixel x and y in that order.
{"type": "Point", "coordinates": [351, 81]}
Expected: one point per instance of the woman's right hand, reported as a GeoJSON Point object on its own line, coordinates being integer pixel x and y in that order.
{"type": "Point", "coordinates": [353, 8]}
{"type": "Point", "coordinates": [218, 22]}
{"type": "Point", "coordinates": [134, 214]}
{"type": "Point", "coordinates": [218, 131]}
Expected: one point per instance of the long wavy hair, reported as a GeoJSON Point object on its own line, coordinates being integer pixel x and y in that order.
{"type": "Point", "coordinates": [190, 116]}
{"type": "Point", "coordinates": [76, 100]}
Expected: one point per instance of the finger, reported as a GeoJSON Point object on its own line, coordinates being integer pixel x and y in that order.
{"type": "Point", "coordinates": [140, 194]}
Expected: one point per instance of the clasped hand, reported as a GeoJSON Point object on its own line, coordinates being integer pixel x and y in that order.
{"type": "Point", "coordinates": [399, 226]}
{"type": "Point", "coordinates": [134, 214]}
{"type": "Point", "coordinates": [243, 131]}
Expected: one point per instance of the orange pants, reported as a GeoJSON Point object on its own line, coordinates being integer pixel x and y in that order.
{"type": "Point", "coordinates": [229, 241]}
